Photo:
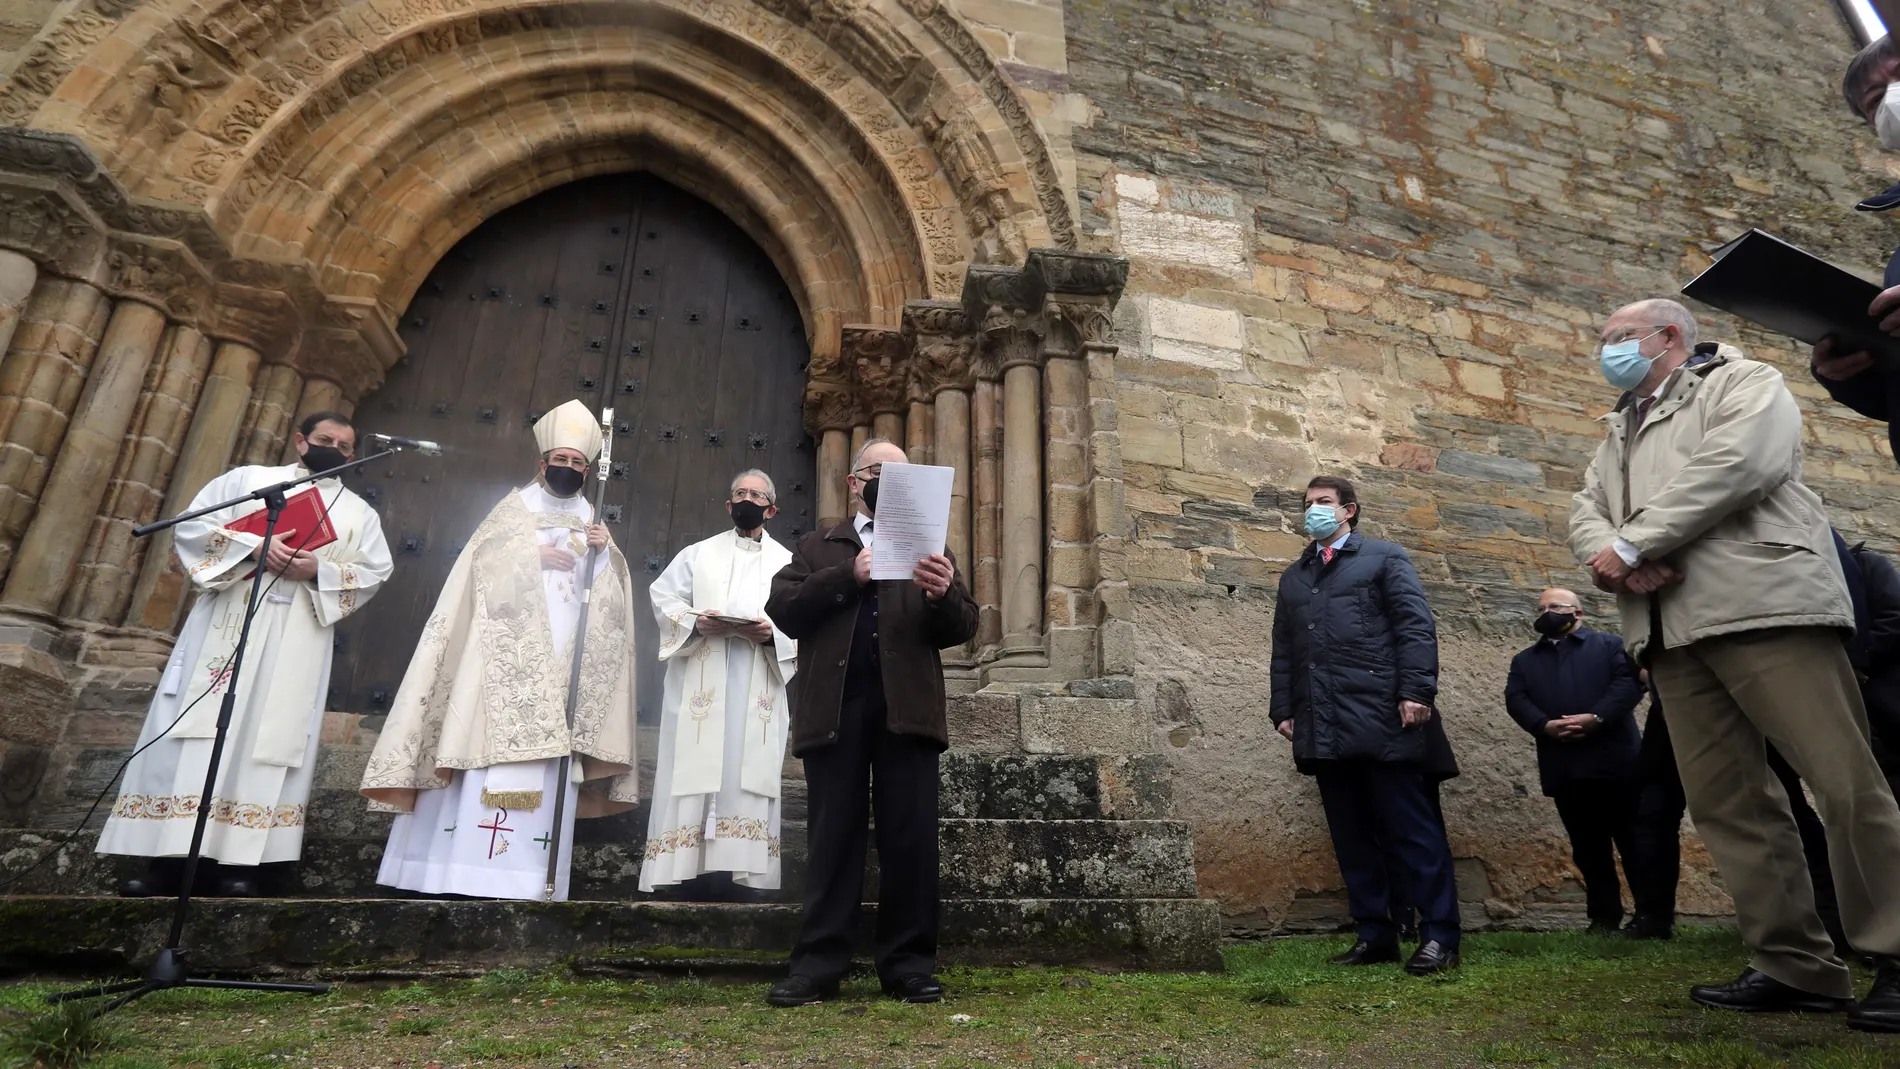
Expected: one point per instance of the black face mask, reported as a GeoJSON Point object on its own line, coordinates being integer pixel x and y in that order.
{"type": "Point", "coordinates": [1555, 624]}
{"type": "Point", "coordinates": [748, 515]}
{"type": "Point", "coordinates": [868, 493]}
{"type": "Point", "coordinates": [563, 481]}
{"type": "Point", "coordinates": [321, 458]}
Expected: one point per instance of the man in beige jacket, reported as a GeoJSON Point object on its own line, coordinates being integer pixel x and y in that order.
{"type": "Point", "coordinates": [1694, 513]}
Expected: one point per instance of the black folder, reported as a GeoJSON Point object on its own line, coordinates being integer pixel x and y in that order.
{"type": "Point", "coordinates": [1773, 284]}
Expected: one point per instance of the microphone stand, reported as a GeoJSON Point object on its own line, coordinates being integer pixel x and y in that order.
{"type": "Point", "coordinates": [168, 969]}
{"type": "Point", "coordinates": [580, 643]}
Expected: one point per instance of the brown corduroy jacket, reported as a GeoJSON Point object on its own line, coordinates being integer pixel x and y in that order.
{"type": "Point", "coordinates": [815, 600]}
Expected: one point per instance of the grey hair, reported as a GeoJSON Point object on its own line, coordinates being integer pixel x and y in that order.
{"type": "Point", "coordinates": [1860, 71]}
{"type": "Point", "coordinates": [1664, 312]}
{"type": "Point", "coordinates": [857, 461]}
{"type": "Point", "coordinates": [771, 488]}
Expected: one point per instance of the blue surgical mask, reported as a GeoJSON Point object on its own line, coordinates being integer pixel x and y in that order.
{"type": "Point", "coordinates": [1321, 522]}
{"type": "Point", "coordinates": [1624, 365]}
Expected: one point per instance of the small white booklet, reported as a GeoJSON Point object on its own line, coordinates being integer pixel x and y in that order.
{"type": "Point", "coordinates": [913, 517]}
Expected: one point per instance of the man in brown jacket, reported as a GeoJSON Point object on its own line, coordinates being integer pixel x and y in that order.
{"type": "Point", "coordinates": [868, 719]}
{"type": "Point", "coordinates": [1731, 593]}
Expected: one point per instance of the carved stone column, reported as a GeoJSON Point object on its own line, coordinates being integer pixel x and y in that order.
{"type": "Point", "coordinates": [40, 381]}
{"type": "Point", "coordinates": [937, 336]}
{"type": "Point", "coordinates": [146, 461]}
{"type": "Point", "coordinates": [17, 275]}
{"type": "Point", "coordinates": [1012, 341]}
{"type": "Point", "coordinates": [1087, 521]}
{"type": "Point", "coordinates": [49, 552]}
{"type": "Point", "coordinates": [159, 595]}
{"type": "Point", "coordinates": [267, 421]}
{"type": "Point", "coordinates": [831, 410]}
{"type": "Point", "coordinates": [878, 359]}
{"type": "Point", "coordinates": [986, 504]}
{"type": "Point", "coordinates": [918, 436]}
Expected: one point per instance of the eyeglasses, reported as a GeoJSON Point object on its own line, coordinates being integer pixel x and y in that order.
{"type": "Point", "coordinates": [577, 463]}
{"type": "Point", "coordinates": [1626, 333]}
{"type": "Point", "coordinates": [870, 471]}
{"type": "Point", "coordinates": [746, 494]}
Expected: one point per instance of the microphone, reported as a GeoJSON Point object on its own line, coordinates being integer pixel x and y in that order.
{"type": "Point", "coordinates": [427, 449]}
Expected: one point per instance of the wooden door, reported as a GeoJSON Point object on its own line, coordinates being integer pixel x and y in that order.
{"type": "Point", "coordinates": [620, 291]}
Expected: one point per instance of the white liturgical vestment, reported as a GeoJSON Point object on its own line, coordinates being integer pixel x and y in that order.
{"type": "Point", "coordinates": [258, 807]}
{"type": "Point", "coordinates": [487, 832]}
{"type": "Point", "coordinates": [723, 719]}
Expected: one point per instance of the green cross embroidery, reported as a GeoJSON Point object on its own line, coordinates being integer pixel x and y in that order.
{"type": "Point", "coordinates": [544, 840]}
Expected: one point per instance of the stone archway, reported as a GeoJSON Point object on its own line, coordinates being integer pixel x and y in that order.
{"type": "Point", "coordinates": [212, 216]}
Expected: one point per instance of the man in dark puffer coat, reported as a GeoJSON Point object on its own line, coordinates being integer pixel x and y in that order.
{"type": "Point", "coordinates": [1355, 672]}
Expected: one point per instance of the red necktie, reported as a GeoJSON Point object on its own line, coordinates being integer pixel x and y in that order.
{"type": "Point", "coordinates": [1327, 552]}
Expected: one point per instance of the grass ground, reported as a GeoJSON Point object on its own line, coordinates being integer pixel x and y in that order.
{"type": "Point", "coordinates": [1519, 1000]}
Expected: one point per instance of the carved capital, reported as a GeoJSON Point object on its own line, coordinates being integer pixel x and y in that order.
{"type": "Point", "coordinates": [937, 335]}
{"type": "Point", "coordinates": [879, 363]}
{"type": "Point", "coordinates": [46, 222]}
{"type": "Point", "coordinates": [1076, 323]}
{"type": "Point", "coordinates": [830, 406]}
{"type": "Point", "coordinates": [161, 273]}
{"type": "Point", "coordinates": [1004, 301]}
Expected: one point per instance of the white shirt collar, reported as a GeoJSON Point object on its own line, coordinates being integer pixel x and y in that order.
{"type": "Point", "coordinates": [860, 521]}
{"type": "Point", "coordinates": [1344, 533]}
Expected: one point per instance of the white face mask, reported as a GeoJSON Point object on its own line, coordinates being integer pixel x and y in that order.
{"type": "Point", "coordinates": [1887, 119]}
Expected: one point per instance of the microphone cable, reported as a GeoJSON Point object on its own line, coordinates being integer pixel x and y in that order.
{"type": "Point", "coordinates": [73, 836]}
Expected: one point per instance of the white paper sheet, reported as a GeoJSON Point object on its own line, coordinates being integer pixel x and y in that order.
{"type": "Point", "coordinates": [913, 517]}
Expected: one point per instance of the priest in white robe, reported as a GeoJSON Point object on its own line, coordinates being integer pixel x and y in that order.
{"type": "Point", "coordinates": [470, 754]}
{"type": "Point", "coordinates": [270, 756]}
{"type": "Point", "coordinates": [723, 718]}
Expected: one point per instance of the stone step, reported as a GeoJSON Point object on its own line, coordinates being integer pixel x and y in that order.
{"type": "Point", "coordinates": [980, 859]}
{"type": "Point", "coordinates": [339, 937]}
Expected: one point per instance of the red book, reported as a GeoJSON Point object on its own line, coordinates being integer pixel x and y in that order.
{"type": "Point", "coordinates": [306, 520]}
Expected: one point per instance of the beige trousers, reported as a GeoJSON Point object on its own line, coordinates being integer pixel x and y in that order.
{"type": "Point", "coordinates": [1794, 687]}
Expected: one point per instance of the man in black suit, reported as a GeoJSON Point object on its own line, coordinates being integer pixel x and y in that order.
{"type": "Point", "coordinates": [1355, 672]}
{"type": "Point", "coordinates": [868, 719]}
{"type": "Point", "coordinates": [1576, 692]}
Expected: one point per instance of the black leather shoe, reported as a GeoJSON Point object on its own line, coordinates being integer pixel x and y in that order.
{"type": "Point", "coordinates": [1364, 953]}
{"type": "Point", "coordinates": [238, 882]}
{"type": "Point", "coordinates": [1602, 928]}
{"type": "Point", "coordinates": [800, 991]}
{"type": "Point", "coordinates": [1431, 957]}
{"type": "Point", "coordinates": [1757, 992]}
{"type": "Point", "coordinates": [1648, 928]}
{"type": "Point", "coordinates": [1880, 1010]}
{"type": "Point", "coordinates": [160, 880]}
{"type": "Point", "coordinates": [915, 988]}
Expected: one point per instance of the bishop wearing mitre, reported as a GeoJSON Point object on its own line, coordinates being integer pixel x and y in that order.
{"type": "Point", "coordinates": [470, 754]}
{"type": "Point", "coordinates": [313, 578]}
{"type": "Point", "coordinates": [723, 717]}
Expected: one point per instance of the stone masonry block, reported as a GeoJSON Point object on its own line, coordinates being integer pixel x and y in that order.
{"type": "Point", "coordinates": [984, 722]}
{"type": "Point", "coordinates": [1054, 724]}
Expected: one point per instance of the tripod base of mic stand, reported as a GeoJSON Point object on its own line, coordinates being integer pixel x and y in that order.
{"type": "Point", "coordinates": [168, 971]}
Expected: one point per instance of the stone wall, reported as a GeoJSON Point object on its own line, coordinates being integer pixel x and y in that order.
{"type": "Point", "coordinates": [1379, 240]}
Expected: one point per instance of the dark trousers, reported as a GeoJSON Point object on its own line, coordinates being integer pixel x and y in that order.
{"type": "Point", "coordinates": [870, 768]}
{"type": "Point", "coordinates": [1370, 803]}
{"type": "Point", "coordinates": [1659, 811]}
{"type": "Point", "coordinates": [1600, 818]}
{"type": "Point", "coordinates": [1403, 913]}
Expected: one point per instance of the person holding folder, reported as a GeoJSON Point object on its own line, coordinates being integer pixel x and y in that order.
{"type": "Point", "coordinates": [868, 720]}
{"type": "Point", "coordinates": [325, 561]}
{"type": "Point", "coordinates": [1854, 378]}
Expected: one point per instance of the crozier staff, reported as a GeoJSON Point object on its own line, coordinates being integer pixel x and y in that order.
{"type": "Point", "coordinates": [264, 778]}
